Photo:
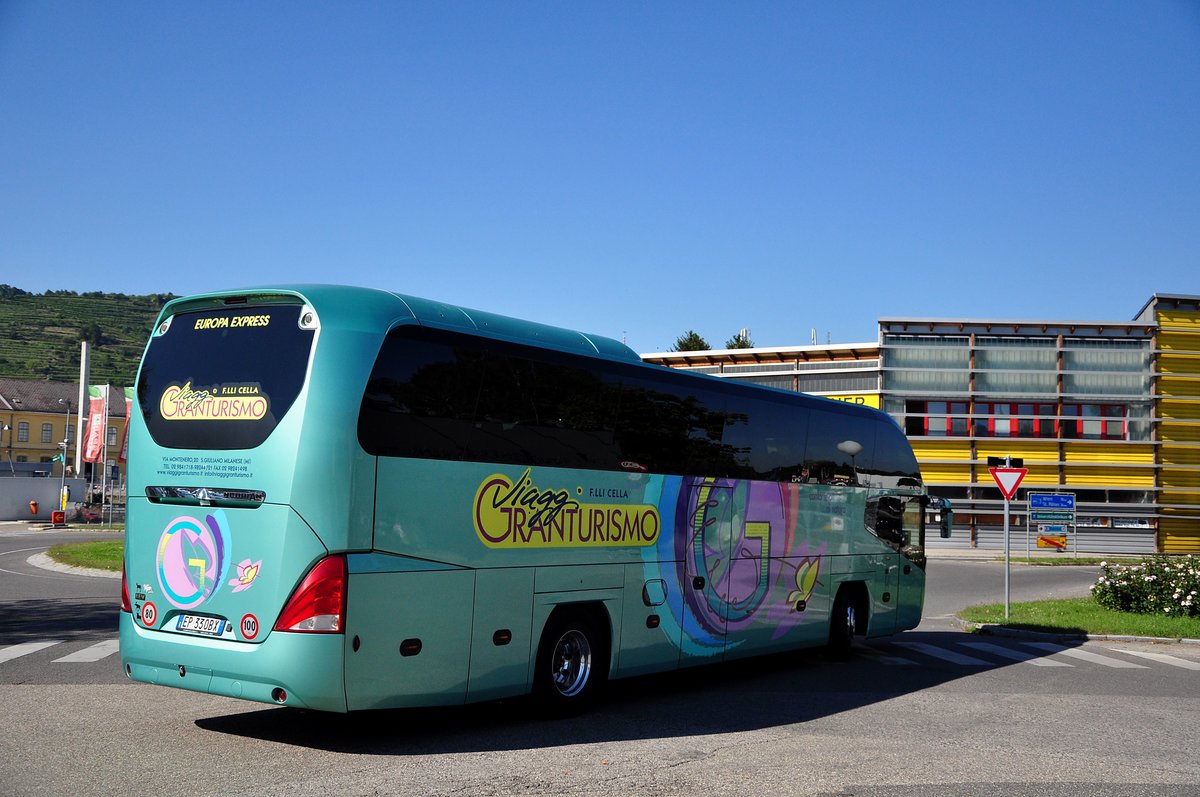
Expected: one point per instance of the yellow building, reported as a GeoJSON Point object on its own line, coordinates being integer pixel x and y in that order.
{"type": "Point", "coordinates": [1176, 396]}
{"type": "Point", "coordinates": [36, 417]}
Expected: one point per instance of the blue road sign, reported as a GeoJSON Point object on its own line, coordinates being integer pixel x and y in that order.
{"type": "Point", "coordinates": [1053, 516]}
{"type": "Point", "coordinates": [1059, 501]}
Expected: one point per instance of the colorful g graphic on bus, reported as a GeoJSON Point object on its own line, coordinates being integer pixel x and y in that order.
{"type": "Point", "coordinates": [193, 558]}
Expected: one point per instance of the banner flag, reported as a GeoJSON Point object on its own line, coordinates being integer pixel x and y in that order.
{"type": "Point", "coordinates": [124, 455]}
{"type": "Point", "coordinates": [93, 447]}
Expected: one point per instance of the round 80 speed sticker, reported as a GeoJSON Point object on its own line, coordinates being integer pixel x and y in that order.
{"type": "Point", "coordinates": [249, 626]}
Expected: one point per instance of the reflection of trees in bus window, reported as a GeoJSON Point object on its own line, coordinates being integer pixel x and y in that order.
{"type": "Point", "coordinates": [768, 441]}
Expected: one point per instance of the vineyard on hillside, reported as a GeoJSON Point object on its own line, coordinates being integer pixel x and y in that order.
{"type": "Point", "coordinates": [40, 334]}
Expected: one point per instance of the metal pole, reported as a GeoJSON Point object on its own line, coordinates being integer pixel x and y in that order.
{"type": "Point", "coordinates": [104, 462]}
{"type": "Point", "coordinates": [85, 364]}
{"type": "Point", "coordinates": [1006, 559]}
{"type": "Point", "coordinates": [62, 484]}
{"type": "Point", "coordinates": [1028, 555]}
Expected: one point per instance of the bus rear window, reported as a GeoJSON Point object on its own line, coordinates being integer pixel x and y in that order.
{"type": "Point", "coordinates": [223, 379]}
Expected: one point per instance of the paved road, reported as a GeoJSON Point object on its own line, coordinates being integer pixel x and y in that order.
{"type": "Point", "coordinates": [930, 712]}
{"type": "Point", "coordinates": [40, 608]}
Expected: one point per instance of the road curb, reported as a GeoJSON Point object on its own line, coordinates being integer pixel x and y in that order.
{"type": "Point", "coordinates": [46, 563]}
{"type": "Point", "coordinates": [993, 629]}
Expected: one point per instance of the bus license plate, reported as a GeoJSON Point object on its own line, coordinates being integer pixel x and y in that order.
{"type": "Point", "coordinates": [197, 624]}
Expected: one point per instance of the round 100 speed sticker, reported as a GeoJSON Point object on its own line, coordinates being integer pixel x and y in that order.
{"type": "Point", "coordinates": [249, 626]}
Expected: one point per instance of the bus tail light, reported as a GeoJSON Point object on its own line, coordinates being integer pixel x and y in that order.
{"type": "Point", "coordinates": [125, 606]}
{"type": "Point", "coordinates": [318, 605]}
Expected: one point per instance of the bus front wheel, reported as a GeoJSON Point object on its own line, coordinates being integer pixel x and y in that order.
{"type": "Point", "coordinates": [843, 621]}
{"type": "Point", "coordinates": [572, 664]}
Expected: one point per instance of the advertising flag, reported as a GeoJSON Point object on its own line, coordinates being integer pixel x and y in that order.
{"type": "Point", "coordinates": [93, 447]}
{"type": "Point", "coordinates": [124, 455]}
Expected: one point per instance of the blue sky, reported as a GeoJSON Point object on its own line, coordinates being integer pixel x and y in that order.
{"type": "Point", "coordinates": [634, 169]}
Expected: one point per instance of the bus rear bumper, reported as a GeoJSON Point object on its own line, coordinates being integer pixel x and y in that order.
{"type": "Point", "coordinates": [298, 670]}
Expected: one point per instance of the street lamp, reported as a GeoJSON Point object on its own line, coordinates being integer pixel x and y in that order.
{"type": "Point", "coordinates": [853, 448]}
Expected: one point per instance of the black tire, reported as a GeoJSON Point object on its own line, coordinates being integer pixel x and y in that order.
{"type": "Point", "coordinates": [843, 621]}
{"type": "Point", "coordinates": [571, 665]}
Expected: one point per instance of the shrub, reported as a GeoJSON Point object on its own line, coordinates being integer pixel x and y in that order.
{"type": "Point", "coordinates": [1158, 585]}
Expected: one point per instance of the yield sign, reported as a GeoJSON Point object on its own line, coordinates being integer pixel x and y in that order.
{"type": "Point", "coordinates": [1008, 480]}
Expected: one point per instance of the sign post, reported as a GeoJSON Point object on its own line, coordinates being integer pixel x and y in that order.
{"type": "Point", "coordinates": [1008, 473]}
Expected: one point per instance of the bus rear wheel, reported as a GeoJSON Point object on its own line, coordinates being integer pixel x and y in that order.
{"type": "Point", "coordinates": [571, 664]}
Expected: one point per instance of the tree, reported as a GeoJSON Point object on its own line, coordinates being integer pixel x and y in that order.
{"type": "Point", "coordinates": [92, 333]}
{"type": "Point", "coordinates": [740, 341]}
{"type": "Point", "coordinates": [690, 341]}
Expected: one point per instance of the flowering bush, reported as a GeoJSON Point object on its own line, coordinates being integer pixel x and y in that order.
{"type": "Point", "coordinates": [1158, 585]}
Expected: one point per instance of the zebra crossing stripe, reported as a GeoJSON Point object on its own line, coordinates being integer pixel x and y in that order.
{"type": "Point", "coordinates": [1016, 655]}
{"type": "Point", "coordinates": [25, 648]}
{"type": "Point", "coordinates": [91, 653]}
{"type": "Point", "coordinates": [1161, 657]}
{"type": "Point", "coordinates": [883, 658]}
{"type": "Point", "coordinates": [1084, 655]}
{"type": "Point", "coordinates": [944, 654]}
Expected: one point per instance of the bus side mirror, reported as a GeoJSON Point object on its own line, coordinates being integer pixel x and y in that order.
{"type": "Point", "coordinates": [942, 506]}
{"type": "Point", "coordinates": [947, 518]}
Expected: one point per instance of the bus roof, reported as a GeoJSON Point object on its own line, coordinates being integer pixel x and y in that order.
{"type": "Point", "coordinates": [376, 306]}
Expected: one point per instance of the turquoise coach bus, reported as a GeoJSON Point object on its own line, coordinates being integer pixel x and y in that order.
{"type": "Point", "coordinates": [345, 499]}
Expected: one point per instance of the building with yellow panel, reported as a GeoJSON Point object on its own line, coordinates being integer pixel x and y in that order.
{"type": "Point", "coordinates": [1176, 395]}
{"type": "Point", "coordinates": [1108, 411]}
{"type": "Point", "coordinates": [1073, 400]}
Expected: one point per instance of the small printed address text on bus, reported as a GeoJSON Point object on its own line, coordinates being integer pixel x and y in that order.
{"type": "Point", "coordinates": [206, 467]}
{"type": "Point", "coordinates": [521, 514]}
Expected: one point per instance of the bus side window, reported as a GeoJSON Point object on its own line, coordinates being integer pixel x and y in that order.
{"type": "Point", "coordinates": [421, 397]}
{"type": "Point", "coordinates": [895, 465]}
{"type": "Point", "coordinates": [673, 427]}
{"type": "Point", "coordinates": [885, 519]}
{"type": "Point", "coordinates": [767, 440]}
{"type": "Point", "coordinates": [840, 448]}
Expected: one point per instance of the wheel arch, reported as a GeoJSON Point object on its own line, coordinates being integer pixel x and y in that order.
{"type": "Point", "coordinates": [857, 594]}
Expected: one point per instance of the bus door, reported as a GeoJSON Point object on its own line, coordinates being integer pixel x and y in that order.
{"type": "Point", "coordinates": [885, 519]}
{"type": "Point", "coordinates": [910, 597]}
{"type": "Point", "coordinates": [886, 567]}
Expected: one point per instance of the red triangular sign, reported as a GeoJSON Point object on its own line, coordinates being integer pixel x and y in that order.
{"type": "Point", "coordinates": [1008, 479]}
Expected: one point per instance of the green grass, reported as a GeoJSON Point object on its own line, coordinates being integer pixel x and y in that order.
{"type": "Point", "coordinates": [102, 555]}
{"type": "Point", "coordinates": [1071, 559]}
{"type": "Point", "coordinates": [1081, 616]}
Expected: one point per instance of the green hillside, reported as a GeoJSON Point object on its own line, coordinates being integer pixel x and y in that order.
{"type": "Point", "coordinates": [40, 334]}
